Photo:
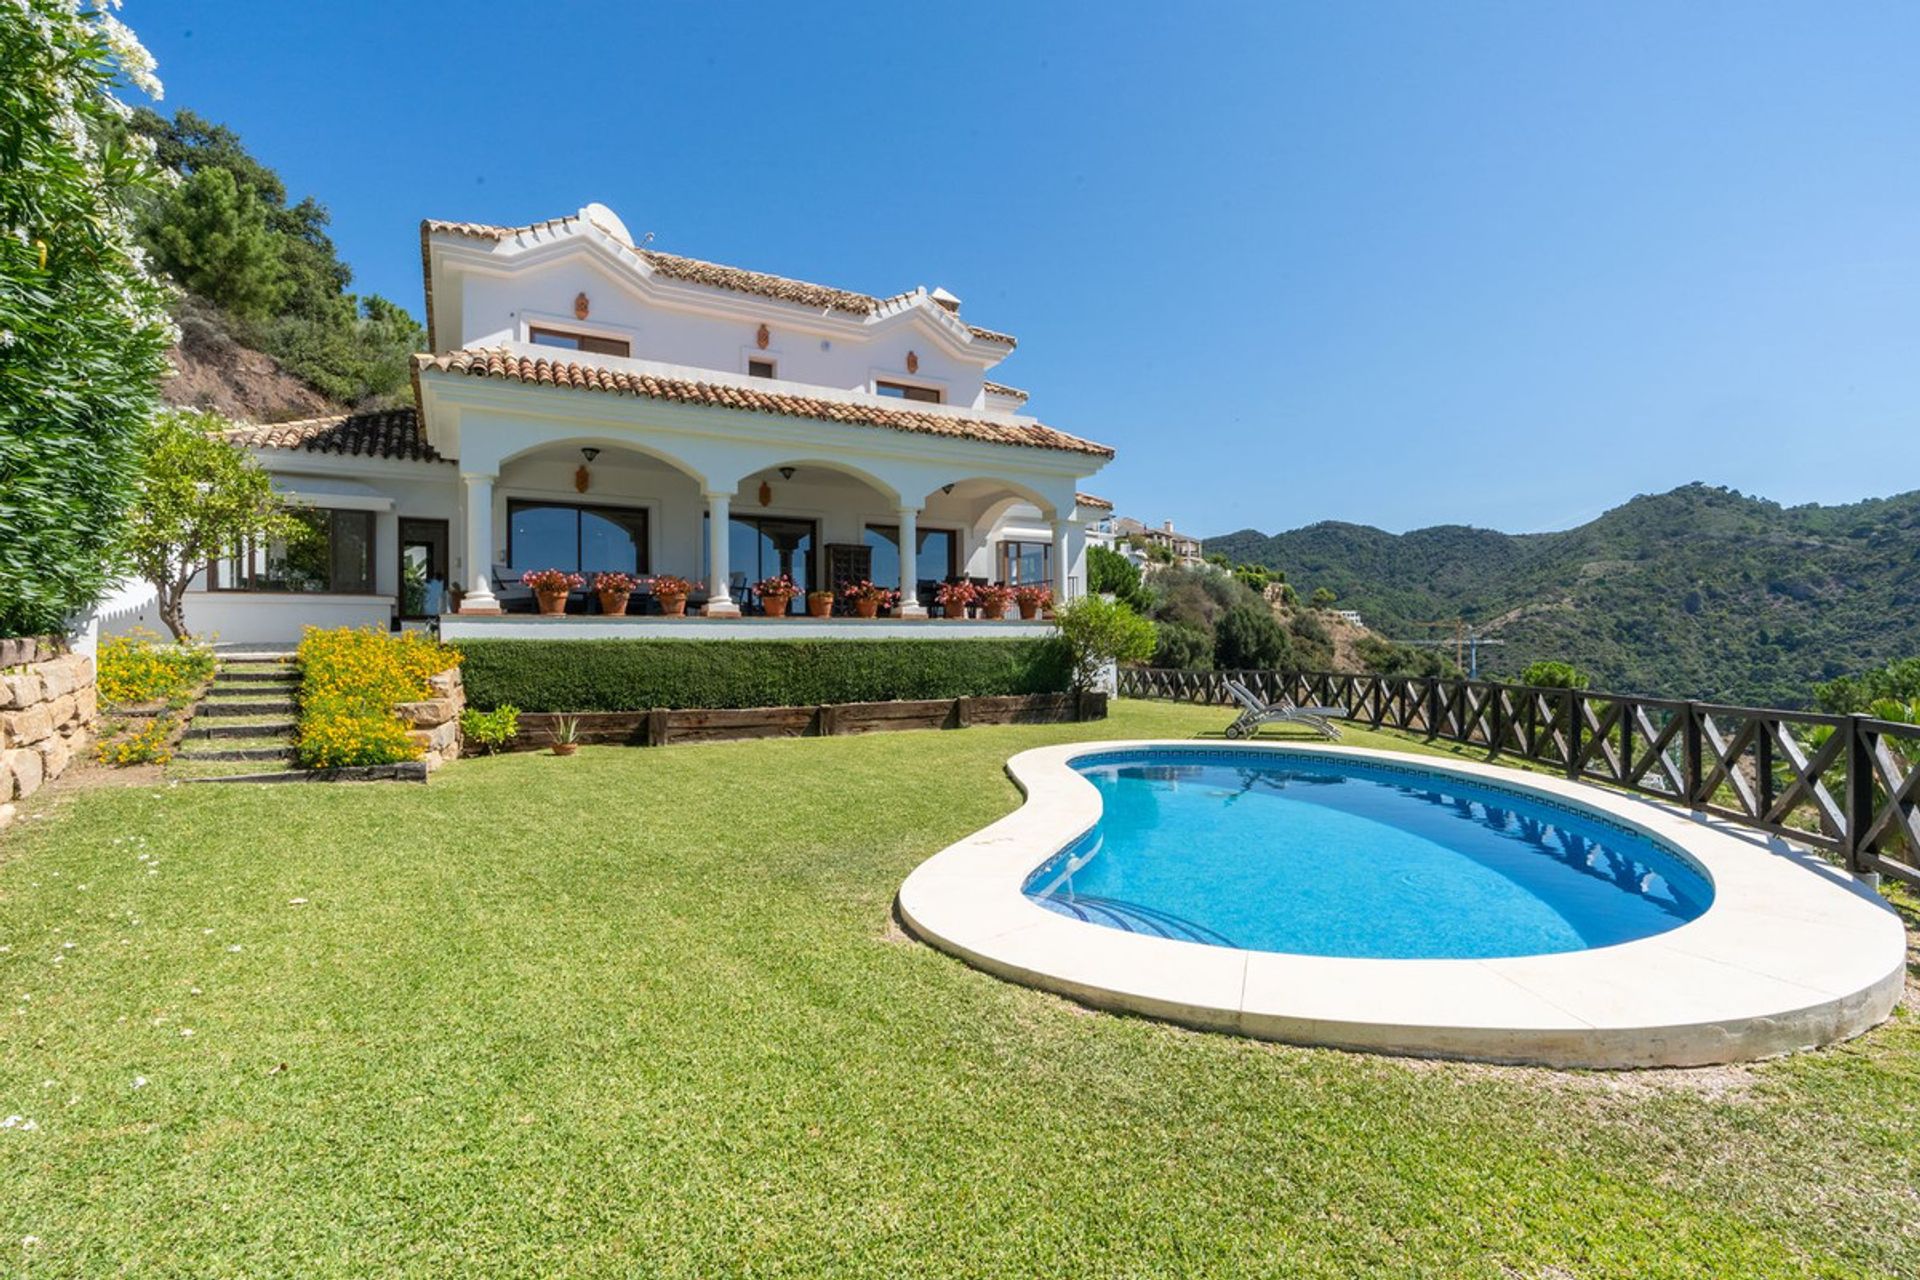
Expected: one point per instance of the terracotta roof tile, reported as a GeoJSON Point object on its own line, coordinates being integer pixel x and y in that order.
{"type": "Point", "coordinates": [1002, 389]}
{"type": "Point", "coordinates": [391, 433]}
{"type": "Point", "coordinates": [711, 274]}
{"type": "Point", "coordinates": [1088, 500]}
{"type": "Point", "coordinates": [544, 371]}
{"type": "Point", "coordinates": [718, 277]}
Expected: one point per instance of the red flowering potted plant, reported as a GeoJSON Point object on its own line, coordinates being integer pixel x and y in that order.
{"type": "Point", "coordinates": [993, 600]}
{"type": "Point", "coordinates": [954, 599]}
{"type": "Point", "coordinates": [614, 589]}
{"type": "Point", "coordinates": [550, 587]}
{"type": "Point", "coordinates": [1032, 599]}
{"type": "Point", "coordinates": [819, 604]}
{"type": "Point", "coordinates": [671, 591]}
{"type": "Point", "coordinates": [776, 593]}
{"type": "Point", "coordinates": [867, 599]}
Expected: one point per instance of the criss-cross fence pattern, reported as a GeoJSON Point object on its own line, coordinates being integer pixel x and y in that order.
{"type": "Point", "coordinates": [1850, 784]}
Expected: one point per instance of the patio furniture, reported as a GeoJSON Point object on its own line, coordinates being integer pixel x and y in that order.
{"type": "Point", "coordinates": [513, 597]}
{"type": "Point", "coordinates": [1282, 710]}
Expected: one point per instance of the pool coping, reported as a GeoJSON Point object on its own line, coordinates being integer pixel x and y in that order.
{"type": "Point", "coordinates": [1792, 953]}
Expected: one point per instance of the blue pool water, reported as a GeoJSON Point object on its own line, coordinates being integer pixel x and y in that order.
{"type": "Point", "coordinates": [1321, 855]}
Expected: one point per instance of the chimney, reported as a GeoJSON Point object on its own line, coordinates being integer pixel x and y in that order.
{"type": "Point", "coordinates": [1167, 525]}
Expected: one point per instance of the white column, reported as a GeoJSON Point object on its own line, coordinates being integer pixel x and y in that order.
{"type": "Point", "coordinates": [720, 601]}
{"type": "Point", "coordinates": [479, 597]}
{"type": "Point", "coordinates": [910, 606]}
{"type": "Point", "coordinates": [1062, 559]}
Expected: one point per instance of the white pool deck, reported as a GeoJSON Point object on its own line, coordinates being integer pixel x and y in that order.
{"type": "Point", "coordinates": [1791, 954]}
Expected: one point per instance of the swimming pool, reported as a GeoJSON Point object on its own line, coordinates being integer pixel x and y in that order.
{"type": "Point", "coordinates": [1372, 900]}
{"type": "Point", "coordinates": [1322, 855]}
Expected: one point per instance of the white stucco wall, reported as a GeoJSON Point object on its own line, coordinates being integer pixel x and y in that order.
{"type": "Point", "coordinates": [499, 309]}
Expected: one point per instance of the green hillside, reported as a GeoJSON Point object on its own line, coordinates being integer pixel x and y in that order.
{"type": "Point", "coordinates": [1698, 593]}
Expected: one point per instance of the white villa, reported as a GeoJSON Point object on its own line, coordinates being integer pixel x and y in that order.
{"type": "Point", "coordinates": [590, 404]}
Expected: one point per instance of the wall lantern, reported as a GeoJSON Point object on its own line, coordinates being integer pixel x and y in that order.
{"type": "Point", "coordinates": [913, 362]}
{"type": "Point", "coordinates": [582, 478]}
{"type": "Point", "coordinates": [763, 337]}
{"type": "Point", "coordinates": [766, 494]}
{"type": "Point", "coordinates": [580, 307]}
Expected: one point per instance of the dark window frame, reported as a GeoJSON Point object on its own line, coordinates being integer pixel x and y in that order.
{"type": "Point", "coordinates": [236, 572]}
{"type": "Point", "coordinates": [643, 557]}
{"type": "Point", "coordinates": [592, 343]}
{"type": "Point", "coordinates": [920, 532]}
{"type": "Point", "coordinates": [909, 391]}
{"type": "Point", "coordinates": [772, 367]}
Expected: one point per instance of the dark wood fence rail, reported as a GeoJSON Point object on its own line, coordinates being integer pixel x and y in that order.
{"type": "Point", "coordinates": [1850, 784]}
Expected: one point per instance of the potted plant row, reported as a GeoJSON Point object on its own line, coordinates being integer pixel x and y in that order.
{"type": "Point", "coordinates": [991, 600]}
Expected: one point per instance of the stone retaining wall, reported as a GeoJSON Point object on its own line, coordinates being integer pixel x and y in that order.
{"type": "Point", "coordinates": [435, 722]}
{"type": "Point", "coordinates": [47, 711]}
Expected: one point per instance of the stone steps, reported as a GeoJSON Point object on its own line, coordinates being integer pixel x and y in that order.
{"type": "Point", "coordinates": [254, 729]}
{"type": "Point", "coordinates": [190, 750]}
{"type": "Point", "coordinates": [250, 707]}
{"type": "Point", "coordinates": [245, 721]}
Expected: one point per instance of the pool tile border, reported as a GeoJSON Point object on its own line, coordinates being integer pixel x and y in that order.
{"type": "Point", "coordinates": [1791, 954]}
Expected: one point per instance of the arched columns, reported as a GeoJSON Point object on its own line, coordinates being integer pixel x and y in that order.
{"type": "Point", "coordinates": [720, 601]}
{"type": "Point", "coordinates": [910, 605]}
{"type": "Point", "coordinates": [478, 497]}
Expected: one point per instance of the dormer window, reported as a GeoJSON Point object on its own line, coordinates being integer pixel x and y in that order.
{"type": "Point", "coordinates": [907, 391]}
{"type": "Point", "coordinates": [579, 342]}
{"type": "Point", "coordinates": [757, 368]}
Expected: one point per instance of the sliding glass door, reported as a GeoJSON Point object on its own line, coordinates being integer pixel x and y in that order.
{"type": "Point", "coordinates": [761, 546]}
{"type": "Point", "coordinates": [575, 537]}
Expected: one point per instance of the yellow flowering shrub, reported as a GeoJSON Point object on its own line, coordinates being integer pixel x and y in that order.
{"type": "Point", "coordinates": [140, 667]}
{"type": "Point", "coordinates": [148, 744]}
{"type": "Point", "coordinates": [350, 681]}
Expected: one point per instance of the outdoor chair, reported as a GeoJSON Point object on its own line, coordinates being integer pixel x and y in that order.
{"type": "Point", "coordinates": [1282, 710]}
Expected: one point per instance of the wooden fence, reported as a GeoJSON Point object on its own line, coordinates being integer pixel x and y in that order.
{"type": "Point", "coordinates": [661, 727]}
{"type": "Point", "coordinates": [1850, 784]}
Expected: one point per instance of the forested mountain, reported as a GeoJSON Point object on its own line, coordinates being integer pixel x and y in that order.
{"type": "Point", "coordinates": [260, 276]}
{"type": "Point", "coordinates": [1698, 593]}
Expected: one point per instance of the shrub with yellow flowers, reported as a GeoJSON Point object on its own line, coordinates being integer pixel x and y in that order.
{"type": "Point", "coordinates": [350, 681]}
{"type": "Point", "coordinates": [140, 667]}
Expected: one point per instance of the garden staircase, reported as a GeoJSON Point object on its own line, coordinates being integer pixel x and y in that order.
{"type": "Point", "coordinates": [245, 723]}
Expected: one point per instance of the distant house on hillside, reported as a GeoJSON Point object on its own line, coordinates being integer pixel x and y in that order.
{"type": "Point", "coordinates": [1184, 548]}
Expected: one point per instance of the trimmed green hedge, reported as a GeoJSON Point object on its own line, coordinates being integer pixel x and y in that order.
{"type": "Point", "coordinates": [639, 675]}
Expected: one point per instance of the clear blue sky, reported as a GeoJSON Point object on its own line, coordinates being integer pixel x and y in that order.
{"type": "Point", "coordinates": [1401, 264]}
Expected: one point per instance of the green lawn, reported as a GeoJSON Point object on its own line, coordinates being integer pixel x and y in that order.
{"type": "Point", "coordinates": [646, 1013]}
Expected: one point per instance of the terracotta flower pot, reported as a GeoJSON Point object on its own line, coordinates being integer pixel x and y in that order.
{"type": "Point", "coordinates": [990, 612]}
{"type": "Point", "coordinates": [1029, 610]}
{"type": "Point", "coordinates": [614, 602]}
{"type": "Point", "coordinates": [565, 748]}
{"type": "Point", "coordinates": [867, 608]}
{"type": "Point", "coordinates": [819, 606]}
{"type": "Point", "coordinates": [673, 606]}
{"type": "Point", "coordinates": [552, 601]}
{"type": "Point", "coordinates": [775, 604]}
